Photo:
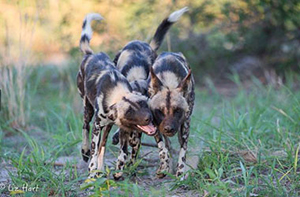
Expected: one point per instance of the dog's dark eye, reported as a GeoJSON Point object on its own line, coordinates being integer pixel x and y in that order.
{"type": "Point", "coordinates": [178, 112]}
{"type": "Point", "coordinates": [159, 113]}
{"type": "Point", "coordinates": [129, 112]}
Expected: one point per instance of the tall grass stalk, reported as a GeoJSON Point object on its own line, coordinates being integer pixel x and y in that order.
{"type": "Point", "coordinates": [14, 70]}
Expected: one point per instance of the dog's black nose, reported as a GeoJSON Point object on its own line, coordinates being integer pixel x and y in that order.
{"type": "Point", "coordinates": [169, 129]}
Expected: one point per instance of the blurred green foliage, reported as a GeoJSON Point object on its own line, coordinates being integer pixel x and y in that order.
{"type": "Point", "coordinates": [213, 35]}
{"type": "Point", "coordinates": [265, 29]}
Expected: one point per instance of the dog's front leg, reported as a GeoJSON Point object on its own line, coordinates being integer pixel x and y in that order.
{"type": "Point", "coordinates": [164, 158]}
{"type": "Point", "coordinates": [96, 136]}
{"type": "Point", "coordinates": [87, 118]}
{"type": "Point", "coordinates": [101, 150]}
{"type": "Point", "coordinates": [123, 139]}
{"type": "Point", "coordinates": [183, 140]}
{"type": "Point", "coordinates": [135, 143]}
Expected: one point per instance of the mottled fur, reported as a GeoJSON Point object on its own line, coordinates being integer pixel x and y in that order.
{"type": "Point", "coordinates": [107, 94]}
{"type": "Point", "coordinates": [172, 99]}
{"type": "Point", "coordinates": [134, 61]}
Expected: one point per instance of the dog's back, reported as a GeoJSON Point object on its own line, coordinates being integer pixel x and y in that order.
{"type": "Point", "coordinates": [171, 68]}
{"type": "Point", "coordinates": [101, 74]}
{"type": "Point", "coordinates": [134, 62]}
{"type": "Point", "coordinates": [136, 58]}
{"type": "Point", "coordinates": [97, 71]}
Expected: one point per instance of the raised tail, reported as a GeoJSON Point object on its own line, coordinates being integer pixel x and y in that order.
{"type": "Point", "coordinates": [164, 27]}
{"type": "Point", "coordinates": [87, 32]}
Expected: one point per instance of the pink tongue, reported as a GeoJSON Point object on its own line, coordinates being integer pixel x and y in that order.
{"type": "Point", "coordinates": [149, 129]}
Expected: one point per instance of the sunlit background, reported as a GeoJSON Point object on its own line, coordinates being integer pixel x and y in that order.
{"type": "Point", "coordinates": [218, 33]}
{"type": "Point", "coordinates": [253, 38]}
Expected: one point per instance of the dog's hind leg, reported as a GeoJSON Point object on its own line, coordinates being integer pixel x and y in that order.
{"type": "Point", "coordinates": [183, 140]}
{"type": "Point", "coordinates": [96, 136]}
{"type": "Point", "coordinates": [164, 158]}
{"type": "Point", "coordinates": [135, 143]}
{"type": "Point", "coordinates": [123, 138]}
{"type": "Point", "coordinates": [88, 115]}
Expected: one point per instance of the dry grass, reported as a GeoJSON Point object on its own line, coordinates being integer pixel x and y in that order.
{"type": "Point", "coordinates": [14, 70]}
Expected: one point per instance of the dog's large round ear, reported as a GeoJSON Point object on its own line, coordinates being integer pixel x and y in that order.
{"type": "Point", "coordinates": [183, 85]}
{"type": "Point", "coordinates": [112, 113]}
{"type": "Point", "coordinates": [155, 83]}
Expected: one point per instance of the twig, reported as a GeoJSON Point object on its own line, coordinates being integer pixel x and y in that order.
{"type": "Point", "coordinates": [148, 165]}
{"type": "Point", "coordinates": [151, 160]}
{"type": "Point", "coordinates": [146, 154]}
{"type": "Point", "coordinates": [59, 164]}
{"type": "Point", "coordinates": [149, 144]}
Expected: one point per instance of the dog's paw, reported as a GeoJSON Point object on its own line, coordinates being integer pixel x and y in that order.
{"type": "Point", "coordinates": [182, 172]}
{"type": "Point", "coordinates": [182, 175]}
{"type": "Point", "coordinates": [164, 167]}
{"type": "Point", "coordinates": [95, 174]}
{"type": "Point", "coordinates": [85, 154]}
{"type": "Point", "coordinates": [162, 170]}
{"type": "Point", "coordinates": [181, 168]}
{"type": "Point", "coordinates": [118, 176]}
{"type": "Point", "coordinates": [160, 175]}
{"type": "Point", "coordinates": [179, 173]}
{"type": "Point", "coordinates": [92, 177]}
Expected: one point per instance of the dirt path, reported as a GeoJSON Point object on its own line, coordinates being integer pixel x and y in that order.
{"type": "Point", "coordinates": [145, 172]}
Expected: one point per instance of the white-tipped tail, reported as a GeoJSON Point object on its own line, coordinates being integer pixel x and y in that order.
{"type": "Point", "coordinates": [86, 27]}
{"type": "Point", "coordinates": [87, 32]}
{"type": "Point", "coordinates": [177, 14]}
{"type": "Point", "coordinates": [164, 27]}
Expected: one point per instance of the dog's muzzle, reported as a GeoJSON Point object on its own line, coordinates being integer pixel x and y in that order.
{"type": "Point", "coordinates": [169, 131]}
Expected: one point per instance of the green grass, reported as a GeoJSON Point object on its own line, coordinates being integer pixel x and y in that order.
{"type": "Point", "coordinates": [248, 144]}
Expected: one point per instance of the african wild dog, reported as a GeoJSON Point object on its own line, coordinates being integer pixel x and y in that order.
{"type": "Point", "coordinates": [134, 61]}
{"type": "Point", "coordinates": [107, 94]}
{"type": "Point", "coordinates": [171, 101]}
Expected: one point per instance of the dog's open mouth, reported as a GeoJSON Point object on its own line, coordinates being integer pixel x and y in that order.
{"type": "Point", "coordinates": [149, 129]}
